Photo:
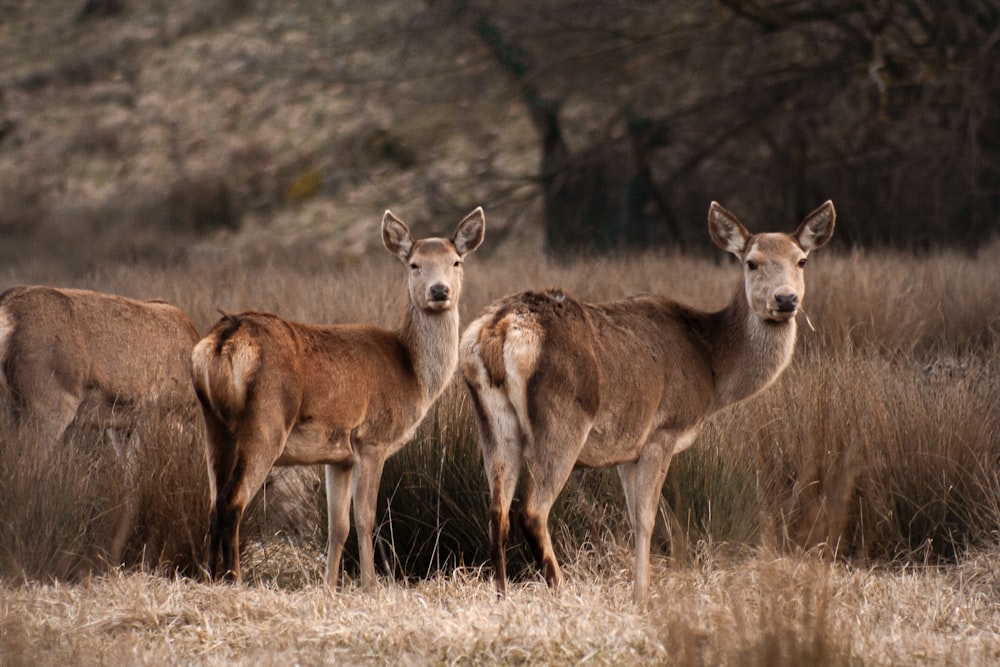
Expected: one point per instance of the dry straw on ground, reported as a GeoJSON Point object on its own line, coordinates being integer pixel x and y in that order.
{"type": "Point", "coordinates": [761, 610]}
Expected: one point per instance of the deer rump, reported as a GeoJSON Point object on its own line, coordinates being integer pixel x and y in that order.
{"type": "Point", "coordinates": [255, 369]}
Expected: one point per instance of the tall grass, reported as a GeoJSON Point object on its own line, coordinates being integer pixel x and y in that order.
{"type": "Point", "coordinates": [880, 443]}
{"type": "Point", "coordinates": [100, 499]}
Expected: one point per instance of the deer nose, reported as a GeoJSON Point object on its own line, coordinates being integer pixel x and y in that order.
{"type": "Point", "coordinates": [786, 302]}
{"type": "Point", "coordinates": [439, 292]}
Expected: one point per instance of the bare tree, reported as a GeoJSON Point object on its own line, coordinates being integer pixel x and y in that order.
{"type": "Point", "coordinates": [644, 111]}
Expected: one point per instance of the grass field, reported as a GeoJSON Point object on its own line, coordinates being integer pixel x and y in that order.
{"type": "Point", "coordinates": [849, 515]}
{"type": "Point", "coordinates": [760, 609]}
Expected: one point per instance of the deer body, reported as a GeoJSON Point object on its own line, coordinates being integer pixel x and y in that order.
{"type": "Point", "coordinates": [558, 383]}
{"type": "Point", "coordinates": [70, 354]}
{"type": "Point", "coordinates": [275, 392]}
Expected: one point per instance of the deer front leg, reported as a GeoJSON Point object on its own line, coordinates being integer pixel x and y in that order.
{"type": "Point", "coordinates": [642, 482]}
{"type": "Point", "coordinates": [367, 475]}
{"type": "Point", "coordinates": [338, 513]}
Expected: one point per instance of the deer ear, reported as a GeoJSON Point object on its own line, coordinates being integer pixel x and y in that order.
{"type": "Point", "coordinates": [470, 232]}
{"type": "Point", "coordinates": [817, 228]}
{"type": "Point", "coordinates": [726, 230]}
{"type": "Point", "coordinates": [396, 236]}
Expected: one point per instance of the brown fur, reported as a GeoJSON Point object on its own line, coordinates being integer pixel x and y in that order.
{"type": "Point", "coordinates": [72, 354]}
{"type": "Point", "coordinates": [275, 392]}
{"type": "Point", "coordinates": [558, 383]}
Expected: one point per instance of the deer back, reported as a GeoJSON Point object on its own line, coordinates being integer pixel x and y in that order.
{"type": "Point", "coordinates": [349, 379]}
{"type": "Point", "coordinates": [630, 365]}
{"type": "Point", "coordinates": [123, 347]}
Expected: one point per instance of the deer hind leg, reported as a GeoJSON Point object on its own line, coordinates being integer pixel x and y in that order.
{"type": "Point", "coordinates": [338, 514]}
{"type": "Point", "coordinates": [251, 455]}
{"type": "Point", "coordinates": [501, 442]}
{"type": "Point", "coordinates": [44, 413]}
{"type": "Point", "coordinates": [503, 466]}
{"type": "Point", "coordinates": [549, 462]}
{"type": "Point", "coordinates": [220, 450]}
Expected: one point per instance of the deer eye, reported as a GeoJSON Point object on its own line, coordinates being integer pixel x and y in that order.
{"type": "Point", "coordinates": [802, 262]}
{"type": "Point", "coordinates": [752, 265]}
{"type": "Point", "coordinates": [458, 262]}
{"type": "Point", "coordinates": [414, 266]}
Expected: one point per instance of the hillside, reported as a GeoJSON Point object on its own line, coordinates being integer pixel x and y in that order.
{"type": "Point", "coordinates": [225, 125]}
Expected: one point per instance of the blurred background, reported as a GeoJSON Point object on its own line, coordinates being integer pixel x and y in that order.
{"type": "Point", "coordinates": [149, 130]}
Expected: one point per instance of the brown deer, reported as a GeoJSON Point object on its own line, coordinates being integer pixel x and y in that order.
{"type": "Point", "coordinates": [98, 361]}
{"type": "Point", "coordinates": [283, 393]}
{"type": "Point", "coordinates": [98, 358]}
{"type": "Point", "coordinates": [557, 383]}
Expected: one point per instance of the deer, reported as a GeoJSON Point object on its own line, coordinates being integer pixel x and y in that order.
{"type": "Point", "coordinates": [99, 359]}
{"type": "Point", "coordinates": [348, 396]}
{"type": "Point", "coordinates": [557, 383]}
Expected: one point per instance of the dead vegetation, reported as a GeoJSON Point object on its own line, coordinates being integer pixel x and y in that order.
{"type": "Point", "coordinates": [757, 610]}
{"type": "Point", "coordinates": [847, 515]}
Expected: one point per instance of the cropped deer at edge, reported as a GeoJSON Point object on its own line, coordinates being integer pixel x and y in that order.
{"type": "Point", "coordinates": [99, 360]}
{"type": "Point", "coordinates": [557, 383]}
{"type": "Point", "coordinates": [275, 392]}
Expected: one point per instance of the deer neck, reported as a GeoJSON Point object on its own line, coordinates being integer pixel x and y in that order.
{"type": "Point", "coordinates": [431, 338]}
{"type": "Point", "coordinates": [748, 353]}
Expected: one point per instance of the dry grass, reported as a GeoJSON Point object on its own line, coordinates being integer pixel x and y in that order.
{"type": "Point", "coordinates": [90, 502]}
{"type": "Point", "coordinates": [849, 515]}
{"type": "Point", "coordinates": [761, 610]}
